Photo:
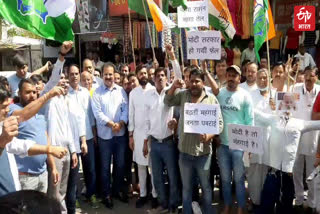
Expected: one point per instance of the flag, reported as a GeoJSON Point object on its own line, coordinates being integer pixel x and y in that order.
{"type": "Point", "coordinates": [262, 20]}
{"type": "Point", "coordinates": [160, 20]}
{"type": "Point", "coordinates": [220, 18]}
{"type": "Point", "coordinates": [137, 6]}
{"type": "Point", "coordinates": [51, 19]}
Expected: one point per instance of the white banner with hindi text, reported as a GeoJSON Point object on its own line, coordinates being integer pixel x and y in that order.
{"type": "Point", "coordinates": [201, 118]}
{"type": "Point", "coordinates": [246, 138]}
{"type": "Point", "coordinates": [204, 45]}
{"type": "Point", "coordinates": [196, 15]}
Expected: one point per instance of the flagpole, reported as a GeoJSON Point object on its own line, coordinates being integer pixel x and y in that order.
{"type": "Point", "coordinates": [131, 40]}
{"type": "Point", "coordinates": [152, 46]}
{"type": "Point", "coordinates": [268, 58]}
{"type": "Point", "coordinates": [181, 52]}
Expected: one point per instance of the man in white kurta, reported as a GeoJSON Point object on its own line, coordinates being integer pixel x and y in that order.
{"type": "Point", "coordinates": [308, 146]}
{"type": "Point", "coordinates": [258, 168]}
{"type": "Point", "coordinates": [137, 132]}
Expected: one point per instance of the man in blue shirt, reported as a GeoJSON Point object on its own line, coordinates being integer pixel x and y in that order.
{"type": "Point", "coordinates": [110, 108]}
{"type": "Point", "coordinates": [32, 170]}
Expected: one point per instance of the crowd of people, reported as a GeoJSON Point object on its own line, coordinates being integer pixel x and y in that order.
{"type": "Point", "coordinates": [127, 128]}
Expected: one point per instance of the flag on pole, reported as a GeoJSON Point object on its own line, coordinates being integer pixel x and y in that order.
{"type": "Point", "coordinates": [220, 18]}
{"type": "Point", "coordinates": [160, 20]}
{"type": "Point", "coordinates": [137, 6]}
{"type": "Point", "coordinates": [262, 22]}
{"type": "Point", "coordinates": [50, 19]}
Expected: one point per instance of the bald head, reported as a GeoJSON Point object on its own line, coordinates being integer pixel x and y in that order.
{"type": "Point", "coordinates": [88, 66]}
{"type": "Point", "coordinates": [86, 80]}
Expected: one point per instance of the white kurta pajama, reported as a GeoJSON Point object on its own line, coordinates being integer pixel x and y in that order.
{"type": "Point", "coordinates": [137, 124]}
{"type": "Point", "coordinates": [258, 168]}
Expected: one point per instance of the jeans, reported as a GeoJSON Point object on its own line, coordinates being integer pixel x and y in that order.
{"type": "Point", "coordinates": [230, 162]}
{"type": "Point", "coordinates": [89, 169]}
{"type": "Point", "coordinates": [112, 148]}
{"type": "Point", "coordinates": [278, 190]}
{"type": "Point", "coordinates": [71, 196]}
{"type": "Point", "coordinates": [165, 154]}
{"type": "Point", "coordinates": [199, 166]}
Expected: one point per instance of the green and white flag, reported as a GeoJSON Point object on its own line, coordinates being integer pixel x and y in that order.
{"type": "Point", "coordinates": [50, 19]}
{"type": "Point", "coordinates": [263, 26]}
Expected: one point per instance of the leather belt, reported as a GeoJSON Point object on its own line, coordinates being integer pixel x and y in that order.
{"type": "Point", "coordinates": [24, 173]}
{"type": "Point", "coordinates": [163, 140]}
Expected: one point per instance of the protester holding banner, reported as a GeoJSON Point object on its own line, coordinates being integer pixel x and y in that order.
{"type": "Point", "coordinates": [195, 149]}
{"type": "Point", "coordinates": [237, 108]}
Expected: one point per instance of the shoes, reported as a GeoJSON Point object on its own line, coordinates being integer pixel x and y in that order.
{"type": "Point", "coordinates": [108, 203]}
{"type": "Point", "coordinates": [141, 202]}
{"type": "Point", "coordinates": [154, 203]}
{"type": "Point", "coordinates": [122, 197]}
{"type": "Point", "coordinates": [94, 203]}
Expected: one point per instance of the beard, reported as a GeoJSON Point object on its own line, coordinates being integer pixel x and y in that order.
{"type": "Point", "coordinates": [143, 81]}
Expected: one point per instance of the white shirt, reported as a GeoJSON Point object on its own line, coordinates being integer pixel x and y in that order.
{"type": "Point", "coordinates": [248, 88]}
{"type": "Point", "coordinates": [157, 115]}
{"type": "Point", "coordinates": [262, 103]}
{"type": "Point", "coordinates": [309, 141]}
{"type": "Point", "coordinates": [307, 60]}
{"type": "Point", "coordinates": [137, 121]}
{"type": "Point", "coordinates": [285, 138]}
{"type": "Point", "coordinates": [96, 82]}
{"type": "Point", "coordinates": [55, 77]}
{"type": "Point", "coordinates": [82, 99]}
{"type": "Point", "coordinates": [14, 81]}
{"type": "Point", "coordinates": [53, 81]}
{"type": "Point", "coordinates": [59, 123]}
{"type": "Point", "coordinates": [16, 147]}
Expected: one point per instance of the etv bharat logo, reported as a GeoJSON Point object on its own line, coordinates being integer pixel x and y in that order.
{"type": "Point", "coordinates": [43, 8]}
{"type": "Point", "coordinates": [304, 18]}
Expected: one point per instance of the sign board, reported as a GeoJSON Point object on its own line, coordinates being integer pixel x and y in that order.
{"type": "Point", "coordinates": [204, 45]}
{"type": "Point", "coordinates": [201, 118]}
{"type": "Point", "coordinates": [246, 138]}
{"type": "Point", "coordinates": [196, 15]}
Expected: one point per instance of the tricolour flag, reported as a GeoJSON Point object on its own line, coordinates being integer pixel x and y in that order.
{"type": "Point", "coordinates": [262, 24]}
{"type": "Point", "coordinates": [137, 6]}
{"type": "Point", "coordinates": [51, 19]}
{"type": "Point", "coordinates": [220, 18]}
{"type": "Point", "coordinates": [160, 20]}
